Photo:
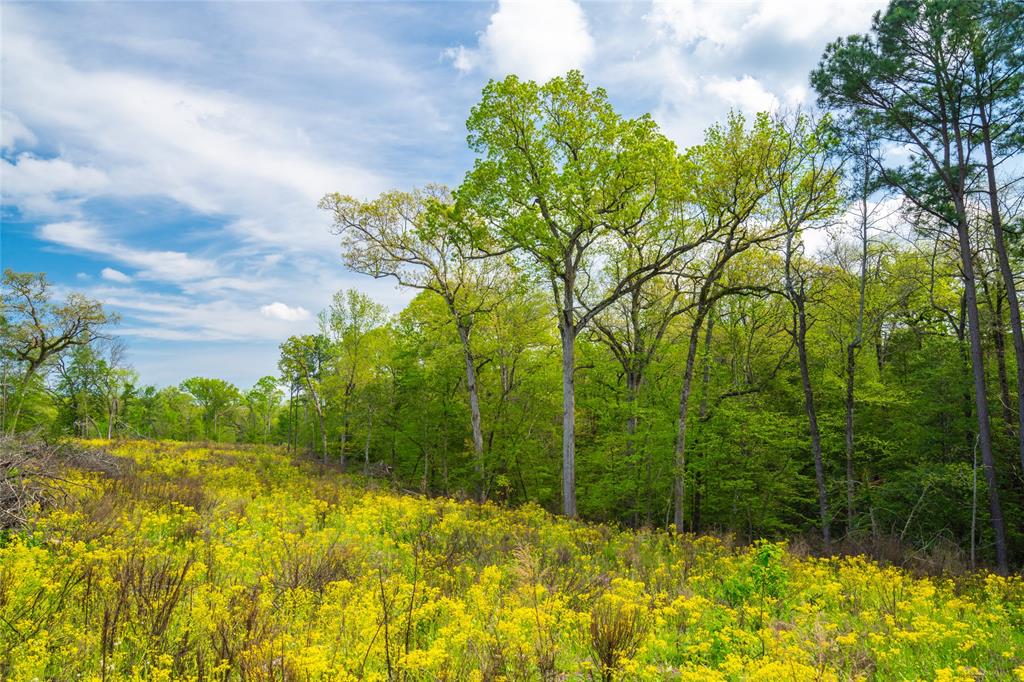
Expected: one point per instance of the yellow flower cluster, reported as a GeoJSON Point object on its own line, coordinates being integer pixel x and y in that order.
{"type": "Point", "coordinates": [237, 563]}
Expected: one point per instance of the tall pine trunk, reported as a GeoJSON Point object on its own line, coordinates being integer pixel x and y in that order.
{"type": "Point", "coordinates": [851, 368]}
{"type": "Point", "coordinates": [980, 391]}
{"type": "Point", "coordinates": [851, 352]}
{"type": "Point", "coordinates": [1007, 274]}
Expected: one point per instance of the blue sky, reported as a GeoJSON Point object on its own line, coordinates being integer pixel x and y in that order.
{"type": "Point", "coordinates": [166, 158]}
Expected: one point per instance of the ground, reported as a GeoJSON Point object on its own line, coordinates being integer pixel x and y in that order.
{"type": "Point", "coordinates": [185, 561]}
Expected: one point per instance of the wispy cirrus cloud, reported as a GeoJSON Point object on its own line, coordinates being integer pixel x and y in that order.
{"type": "Point", "coordinates": [172, 266]}
{"type": "Point", "coordinates": [173, 154]}
{"type": "Point", "coordinates": [130, 134]}
{"type": "Point", "coordinates": [49, 186]}
{"type": "Point", "coordinates": [173, 317]}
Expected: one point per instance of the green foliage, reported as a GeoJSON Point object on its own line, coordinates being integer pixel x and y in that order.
{"type": "Point", "coordinates": [214, 397]}
{"type": "Point", "coordinates": [563, 290]}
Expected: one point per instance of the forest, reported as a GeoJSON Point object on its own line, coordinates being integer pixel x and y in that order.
{"type": "Point", "coordinates": [806, 327]}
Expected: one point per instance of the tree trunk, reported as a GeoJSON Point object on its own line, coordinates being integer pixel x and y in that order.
{"type": "Point", "coordinates": [679, 487]}
{"type": "Point", "coordinates": [1007, 274]}
{"type": "Point", "coordinates": [568, 333]}
{"type": "Point", "coordinates": [29, 372]}
{"type": "Point", "coordinates": [797, 301]}
{"type": "Point", "coordinates": [3, 399]}
{"type": "Point", "coordinates": [293, 434]}
{"type": "Point", "coordinates": [698, 478]}
{"type": "Point", "coordinates": [633, 379]}
{"type": "Point", "coordinates": [343, 456]}
{"type": "Point", "coordinates": [474, 410]}
{"type": "Point", "coordinates": [320, 420]}
{"type": "Point", "coordinates": [851, 348]}
{"type": "Point", "coordinates": [812, 420]}
{"type": "Point", "coordinates": [366, 448]}
{"type": "Point", "coordinates": [851, 368]}
{"type": "Point", "coordinates": [995, 305]}
{"type": "Point", "coordinates": [980, 392]}
{"type": "Point", "coordinates": [999, 341]}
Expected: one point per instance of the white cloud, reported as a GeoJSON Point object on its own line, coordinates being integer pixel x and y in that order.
{"type": "Point", "coordinates": [692, 21]}
{"type": "Point", "coordinates": [114, 275]}
{"type": "Point", "coordinates": [170, 317]}
{"type": "Point", "coordinates": [744, 93]}
{"type": "Point", "coordinates": [462, 58]}
{"type": "Point", "coordinates": [133, 135]}
{"type": "Point", "coordinates": [537, 39]}
{"type": "Point", "coordinates": [795, 96]}
{"type": "Point", "coordinates": [170, 266]}
{"type": "Point", "coordinates": [281, 311]}
{"type": "Point", "coordinates": [12, 131]}
{"type": "Point", "coordinates": [147, 108]}
{"type": "Point", "coordinates": [48, 186]}
{"type": "Point", "coordinates": [176, 50]}
{"type": "Point", "coordinates": [718, 25]}
{"type": "Point", "coordinates": [801, 20]}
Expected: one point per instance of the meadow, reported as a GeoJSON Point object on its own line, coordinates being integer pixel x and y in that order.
{"type": "Point", "coordinates": [175, 561]}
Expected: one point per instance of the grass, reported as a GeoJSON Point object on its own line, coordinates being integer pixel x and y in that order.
{"type": "Point", "coordinates": [225, 563]}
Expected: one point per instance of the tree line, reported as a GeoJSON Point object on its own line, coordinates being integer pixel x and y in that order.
{"type": "Point", "coordinates": [623, 330]}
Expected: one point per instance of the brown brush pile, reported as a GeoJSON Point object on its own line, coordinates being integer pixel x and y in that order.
{"type": "Point", "coordinates": [31, 474]}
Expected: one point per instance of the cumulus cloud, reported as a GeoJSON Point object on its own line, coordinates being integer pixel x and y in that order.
{"type": "Point", "coordinates": [744, 93]}
{"type": "Point", "coordinates": [537, 39]}
{"type": "Point", "coordinates": [726, 24]}
{"type": "Point", "coordinates": [282, 311]}
{"type": "Point", "coordinates": [752, 55]}
{"type": "Point", "coordinates": [114, 275]}
{"type": "Point", "coordinates": [691, 21]}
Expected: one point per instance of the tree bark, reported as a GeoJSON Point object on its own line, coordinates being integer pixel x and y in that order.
{"type": "Point", "coordinates": [1007, 274]}
{"type": "Point", "coordinates": [632, 388]}
{"type": "Point", "coordinates": [851, 368]}
{"type": "Point", "coordinates": [366, 448]}
{"type": "Point", "coordinates": [567, 328]}
{"type": "Point", "coordinates": [698, 479]}
{"type": "Point", "coordinates": [797, 300]}
{"type": "Point", "coordinates": [679, 488]}
{"type": "Point", "coordinates": [812, 420]}
{"type": "Point", "coordinates": [343, 451]}
{"type": "Point", "coordinates": [29, 373]}
{"type": "Point", "coordinates": [999, 341]}
{"type": "Point", "coordinates": [320, 419]}
{"type": "Point", "coordinates": [851, 351]}
{"type": "Point", "coordinates": [474, 410]}
{"type": "Point", "coordinates": [980, 391]}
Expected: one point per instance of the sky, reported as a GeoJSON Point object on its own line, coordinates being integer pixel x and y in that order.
{"type": "Point", "coordinates": [167, 158]}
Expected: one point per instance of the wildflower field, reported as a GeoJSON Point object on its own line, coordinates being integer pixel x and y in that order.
{"type": "Point", "coordinates": [226, 563]}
